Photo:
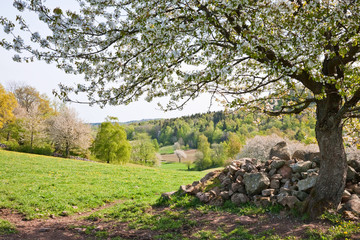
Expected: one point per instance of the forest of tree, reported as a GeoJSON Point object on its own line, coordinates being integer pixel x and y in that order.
{"type": "Point", "coordinates": [31, 122]}
{"type": "Point", "coordinates": [217, 126]}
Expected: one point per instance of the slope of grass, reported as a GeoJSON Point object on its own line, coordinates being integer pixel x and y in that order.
{"type": "Point", "coordinates": [38, 186]}
{"type": "Point", "coordinates": [175, 166]}
{"type": "Point", "coordinates": [166, 150]}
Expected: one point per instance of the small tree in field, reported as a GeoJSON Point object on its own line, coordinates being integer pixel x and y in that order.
{"type": "Point", "coordinates": [111, 144]}
{"type": "Point", "coordinates": [143, 150]}
{"type": "Point", "coordinates": [180, 154]}
{"type": "Point", "coordinates": [203, 158]}
{"type": "Point", "coordinates": [278, 57]}
{"type": "Point", "coordinates": [68, 132]}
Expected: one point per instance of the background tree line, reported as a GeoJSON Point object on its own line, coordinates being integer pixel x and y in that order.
{"type": "Point", "coordinates": [30, 122]}
{"type": "Point", "coordinates": [217, 126]}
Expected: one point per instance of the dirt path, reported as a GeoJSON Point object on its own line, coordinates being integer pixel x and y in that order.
{"type": "Point", "coordinates": [75, 227]}
{"type": "Point", "coordinates": [52, 228]}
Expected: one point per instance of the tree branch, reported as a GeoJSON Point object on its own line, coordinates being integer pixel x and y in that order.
{"type": "Point", "coordinates": [297, 108]}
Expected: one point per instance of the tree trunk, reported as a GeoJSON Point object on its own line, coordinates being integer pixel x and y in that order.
{"type": "Point", "coordinates": [331, 181]}
{"type": "Point", "coordinates": [31, 139]}
{"type": "Point", "coordinates": [67, 149]}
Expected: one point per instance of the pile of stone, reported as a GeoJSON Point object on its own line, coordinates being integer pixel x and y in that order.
{"type": "Point", "coordinates": [284, 179]}
{"type": "Point", "coordinates": [80, 158]}
{"type": "Point", "coordinates": [3, 146]}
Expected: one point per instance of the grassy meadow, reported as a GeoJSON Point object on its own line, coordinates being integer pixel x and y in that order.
{"type": "Point", "coordinates": [38, 186]}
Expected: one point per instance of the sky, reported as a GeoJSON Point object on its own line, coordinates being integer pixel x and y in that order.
{"type": "Point", "coordinates": [46, 77]}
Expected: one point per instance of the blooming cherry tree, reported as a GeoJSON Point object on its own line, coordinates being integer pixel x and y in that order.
{"type": "Point", "coordinates": [293, 53]}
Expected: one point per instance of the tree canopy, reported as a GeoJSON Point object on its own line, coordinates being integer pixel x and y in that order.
{"type": "Point", "coordinates": [7, 105]}
{"type": "Point", "coordinates": [299, 53]}
{"type": "Point", "coordinates": [68, 132]}
{"type": "Point", "coordinates": [110, 144]}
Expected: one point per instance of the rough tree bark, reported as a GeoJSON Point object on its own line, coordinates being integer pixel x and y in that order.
{"type": "Point", "coordinates": [331, 181]}
{"type": "Point", "coordinates": [67, 149]}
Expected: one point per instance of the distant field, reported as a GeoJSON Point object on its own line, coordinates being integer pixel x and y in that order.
{"type": "Point", "coordinates": [38, 186]}
{"type": "Point", "coordinates": [173, 158]}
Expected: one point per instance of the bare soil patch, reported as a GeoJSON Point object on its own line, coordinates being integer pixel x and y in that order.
{"type": "Point", "coordinates": [173, 158]}
{"type": "Point", "coordinates": [75, 227]}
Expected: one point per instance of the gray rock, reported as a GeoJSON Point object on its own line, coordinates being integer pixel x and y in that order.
{"type": "Point", "coordinates": [301, 166]}
{"type": "Point", "coordinates": [216, 190]}
{"type": "Point", "coordinates": [287, 184]}
{"type": "Point", "coordinates": [44, 230]}
{"type": "Point", "coordinates": [299, 155]}
{"type": "Point", "coordinates": [304, 174]}
{"type": "Point", "coordinates": [285, 171]}
{"type": "Point", "coordinates": [232, 169]}
{"type": "Point", "coordinates": [239, 198]}
{"type": "Point", "coordinates": [351, 174]}
{"type": "Point", "coordinates": [267, 192]}
{"type": "Point", "coordinates": [239, 178]}
{"type": "Point", "coordinates": [263, 201]}
{"type": "Point", "coordinates": [272, 171]}
{"type": "Point", "coordinates": [276, 177]}
{"type": "Point", "coordinates": [231, 192]}
{"type": "Point", "coordinates": [225, 195]}
{"type": "Point", "coordinates": [217, 201]}
{"type": "Point", "coordinates": [313, 157]}
{"type": "Point", "coordinates": [222, 176]}
{"type": "Point", "coordinates": [209, 176]}
{"type": "Point", "coordinates": [289, 201]}
{"type": "Point", "coordinates": [300, 195]}
{"type": "Point", "coordinates": [236, 186]}
{"type": "Point", "coordinates": [348, 215]}
{"type": "Point", "coordinates": [307, 183]}
{"type": "Point", "coordinates": [240, 172]}
{"type": "Point", "coordinates": [357, 189]}
{"type": "Point", "coordinates": [295, 177]}
{"type": "Point", "coordinates": [346, 196]}
{"type": "Point", "coordinates": [277, 164]}
{"type": "Point", "coordinates": [281, 151]}
{"type": "Point", "coordinates": [313, 172]}
{"type": "Point", "coordinates": [355, 164]}
{"type": "Point", "coordinates": [195, 183]}
{"type": "Point", "coordinates": [226, 183]}
{"type": "Point", "coordinates": [255, 182]}
{"type": "Point", "coordinates": [249, 166]}
{"type": "Point", "coordinates": [281, 195]}
{"type": "Point", "coordinates": [275, 184]}
{"type": "Point", "coordinates": [187, 188]}
{"type": "Point", "coordinates": [237, 163]}
{"type": "Point", "coordinates": [353, 204]}
{"type": "Point", "coordinates": [167, 195]}
{"type": "Point", "coordinates": [203, 197]}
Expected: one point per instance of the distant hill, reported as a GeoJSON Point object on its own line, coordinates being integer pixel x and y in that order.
{"type": "Point", "coordinates": [128, 122]}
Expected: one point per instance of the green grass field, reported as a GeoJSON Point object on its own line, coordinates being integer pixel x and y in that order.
{"type": "Point", "coordinates": [166, 150]}
{"type": "Point", "coordinates": [38, 186]}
